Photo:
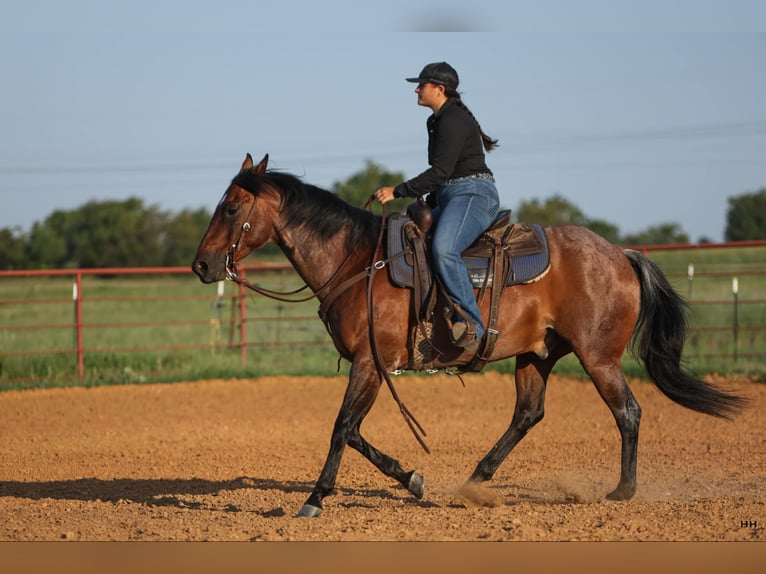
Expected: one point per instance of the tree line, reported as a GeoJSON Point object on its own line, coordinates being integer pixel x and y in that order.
{"type": "Point", "coordinates": [106, 234]}
{"type": "Point", "coordinates": [745, 218]}
{"type": "Point", "coordinates": [129, 233]}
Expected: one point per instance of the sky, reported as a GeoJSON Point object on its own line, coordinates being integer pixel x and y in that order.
{"type": "Point", "coordinates": [639, 114]}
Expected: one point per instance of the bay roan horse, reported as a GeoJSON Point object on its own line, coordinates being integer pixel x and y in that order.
{"type": "Point", "coordinates": [590, 303]}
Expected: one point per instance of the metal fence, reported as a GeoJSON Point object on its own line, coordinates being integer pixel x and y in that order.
{"type": "Point", "coordinates": [107, 301]}
{"type": "Point", "coordinates": [100, 316]}
{"type": "Point", "coordinates": [726, 296]}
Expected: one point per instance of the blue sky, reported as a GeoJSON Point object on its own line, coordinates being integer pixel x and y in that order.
{"type": "Point", "coordinates": [637, 115]}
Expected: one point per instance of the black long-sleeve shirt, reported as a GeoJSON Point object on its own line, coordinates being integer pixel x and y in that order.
{"type": "Point", "coordinates": [454, 150]}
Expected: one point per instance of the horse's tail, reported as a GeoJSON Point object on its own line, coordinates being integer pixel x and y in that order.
{"type": "Point", "coordinates": [659, 339]}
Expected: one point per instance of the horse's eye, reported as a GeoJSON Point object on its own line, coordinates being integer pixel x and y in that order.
{"type": "Point", "coordinates": [231, 209]}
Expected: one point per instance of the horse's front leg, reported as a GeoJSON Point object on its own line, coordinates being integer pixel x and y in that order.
{"type": "Point", "coordinates": [412, 480]}
{"type": "Point", "coordinates": [363, 386]}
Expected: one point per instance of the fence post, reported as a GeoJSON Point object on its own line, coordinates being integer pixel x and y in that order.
{"type": "Point", "coordinates": [242, 322]}
{"type": "Point", "coordinates": [215, 324]}
{"type": "Point", "coordinates": [219, 304]}
{"type": "Point", "coordinates": [735, 292]}
{"type": "Point", "coordinates": [691, 280]}
{"type": "Point", "coordinates": [77, 297]}
{"type": "Point", "coordinates": [232, 317]}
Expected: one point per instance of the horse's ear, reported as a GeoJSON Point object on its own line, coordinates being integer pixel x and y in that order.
{"type": "Point", "coordinates": [247, 164]}
{"type": "Point", "coordinates": [260, 169]}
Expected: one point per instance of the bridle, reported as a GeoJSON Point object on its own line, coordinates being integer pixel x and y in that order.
{"type": "Point", "coordinates": [321, 292]}
{"type": "Point", "coordinates": [231, 266]}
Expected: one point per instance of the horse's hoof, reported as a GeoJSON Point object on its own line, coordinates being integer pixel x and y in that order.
{"type": "Point", "coordinates": [415, 486]}
{"type": "Point", "coordinates": [622, 493]}
{"type": "Point", "coordinates": [309, 511]}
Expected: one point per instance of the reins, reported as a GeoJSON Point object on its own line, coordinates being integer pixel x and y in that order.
{"type": "Point", "coordinates": [409, 418]}
{"type": "Point", "coordinates": [284, 296]}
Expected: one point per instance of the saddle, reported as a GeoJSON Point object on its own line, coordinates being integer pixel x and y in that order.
{"type": "Point", "coordinates": [504, 255]}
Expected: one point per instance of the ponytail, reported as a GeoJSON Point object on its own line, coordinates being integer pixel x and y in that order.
{"type": "Point", "coordinates": [488, 143]}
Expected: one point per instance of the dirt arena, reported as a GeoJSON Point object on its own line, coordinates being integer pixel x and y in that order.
{"type": "Point", "coordinates": [235, 460]}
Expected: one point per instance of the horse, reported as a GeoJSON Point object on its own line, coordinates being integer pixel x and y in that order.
{"type": "Point", "coordinates": [596, 301]}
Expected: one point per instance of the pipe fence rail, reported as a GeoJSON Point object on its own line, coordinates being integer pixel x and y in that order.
{"type": "Point", "coordinates": [161, 320]}
{"type": "Point", "coordinates": [76, 322]}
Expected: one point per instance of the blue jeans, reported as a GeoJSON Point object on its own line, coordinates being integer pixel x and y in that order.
{"type": "Point", "coordinates": [465, 208]}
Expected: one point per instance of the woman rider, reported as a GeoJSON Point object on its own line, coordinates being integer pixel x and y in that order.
{"type": "Point", "coordinates": [466, 197]}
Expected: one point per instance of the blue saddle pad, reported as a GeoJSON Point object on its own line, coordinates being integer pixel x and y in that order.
{"type": "Point", "coordinates": [524, 268]}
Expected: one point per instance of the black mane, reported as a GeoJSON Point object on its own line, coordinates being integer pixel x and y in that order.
{"type": "Point", "coordinates": [315, 210]}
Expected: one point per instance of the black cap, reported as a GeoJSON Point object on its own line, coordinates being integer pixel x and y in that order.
{"type": "Point", "coordinates": [438, 73]}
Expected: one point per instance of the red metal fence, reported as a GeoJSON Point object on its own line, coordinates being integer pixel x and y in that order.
{"type": "Point", "coordinates": [240, 315]}
{"type": "Point", "coordinates": [237, 323]}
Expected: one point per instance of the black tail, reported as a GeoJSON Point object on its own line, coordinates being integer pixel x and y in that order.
{"type": "Point", "coordinates": [659, 341]}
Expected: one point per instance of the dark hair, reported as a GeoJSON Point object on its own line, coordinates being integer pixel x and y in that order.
{"type": "Point", "coordinates": [488, 142]}
{"type": "Point", "coordinates": [314, 210]}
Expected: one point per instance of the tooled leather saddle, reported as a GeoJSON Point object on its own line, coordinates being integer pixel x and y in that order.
{"type": "Point", "coordinates": [513, 253]}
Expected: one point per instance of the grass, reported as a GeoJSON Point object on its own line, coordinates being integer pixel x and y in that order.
{"type": "Point", "coordinates": [727, 332]}
{"type": "Point", "coordinates": [184, 330]}
{"type": "Point", "coordinates": [181, 326]}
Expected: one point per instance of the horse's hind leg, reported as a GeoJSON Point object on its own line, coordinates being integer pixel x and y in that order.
{"type": "Point", "coordinates": [613, 388]}
{"type": "Point", "coordinates": [531, 376]}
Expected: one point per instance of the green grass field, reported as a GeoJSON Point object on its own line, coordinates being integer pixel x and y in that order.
{"type": "Point", "coordinates": [184, 330]}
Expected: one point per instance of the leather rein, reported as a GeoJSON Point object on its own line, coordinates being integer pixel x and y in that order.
{"type": "Point", "coordinates": [327, 298]}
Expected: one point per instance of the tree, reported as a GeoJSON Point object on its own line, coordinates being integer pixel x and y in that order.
{"type": "Point", "coordinates": [99, 234]}
{"type": "Point", "coordinates": [182, 234]}
{"type": "Point", "coordinates": [358, 188]}
{"type": "Point", "coordinates": [557, 210]}
{"type": "Point", "coordinates": [662, 234]}
{"type": "Point", "coordinates": [47, 244]}
{"type": "Point", "coordinates": [11, 249]}
{"type": "Point", "coordinates": [119, 233]}
{"type": "Point", "coordinates": [608, 231]}
{"type": "Point", "coordinates": [746, 217]}
{"type": "Point", "coordinates": [107, 234]}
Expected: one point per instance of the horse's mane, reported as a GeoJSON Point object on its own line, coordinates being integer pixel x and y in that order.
{"type": "Point", "coordinates": [313, 209]}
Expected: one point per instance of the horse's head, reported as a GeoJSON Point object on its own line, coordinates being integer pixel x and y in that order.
{"type": "Point", "coordinates": [242, 222]}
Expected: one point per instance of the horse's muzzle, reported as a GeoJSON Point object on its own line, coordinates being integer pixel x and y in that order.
{"type": "Point", "coordinates": [207, 271]}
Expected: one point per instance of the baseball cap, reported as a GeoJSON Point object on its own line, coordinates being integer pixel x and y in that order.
{"type": "Point", "coordinates": [438, 73]}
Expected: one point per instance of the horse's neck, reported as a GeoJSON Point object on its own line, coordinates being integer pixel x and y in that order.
{"type": "Point", "coordinates": [318, 263]}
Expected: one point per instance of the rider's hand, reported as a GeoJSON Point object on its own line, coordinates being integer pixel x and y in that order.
{"type": "Point", "coordinates": [384, 194]}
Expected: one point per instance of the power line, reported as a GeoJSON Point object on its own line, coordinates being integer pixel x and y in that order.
{"type": "Point", "coordinates": [694, 133]}
{"type": "Point", "coordinates": [518, 145]}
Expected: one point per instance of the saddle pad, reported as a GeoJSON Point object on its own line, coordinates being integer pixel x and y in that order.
{"type": "Point", "coordinates": [524, 268]}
